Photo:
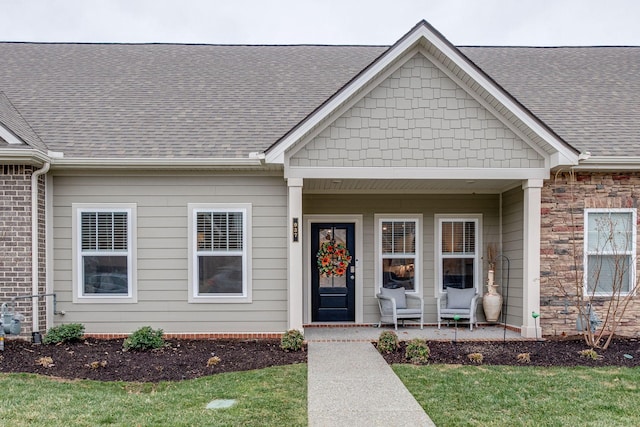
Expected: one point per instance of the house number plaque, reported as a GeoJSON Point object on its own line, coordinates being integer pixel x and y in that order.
{"type": "Point", "coordinates": [294, 229]}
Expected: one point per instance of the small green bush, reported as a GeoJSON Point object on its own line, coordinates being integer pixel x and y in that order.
{"type": "Point", "coordinates": [387, 342]}
{"type": "Point", "coordinates": [64, 333]}
{"type": "Point", "coordinates": [145, 338]}
{"type": "Point", "coordinates": [590, 354]}
{"type": "Point", "coordinates": [292, 340]}
{"type": "Point", "coordinates": [417, 351]}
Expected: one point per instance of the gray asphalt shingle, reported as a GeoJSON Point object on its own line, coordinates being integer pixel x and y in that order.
{"type": "Point", "coordinates": [160, 100]}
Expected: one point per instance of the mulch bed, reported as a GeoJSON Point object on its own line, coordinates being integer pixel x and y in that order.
{"type": "Point", "coordinates": [550, 352]}
{"type": "Point", "coordinates": [104, 360]}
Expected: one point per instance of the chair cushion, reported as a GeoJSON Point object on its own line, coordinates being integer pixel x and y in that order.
{"type": "Point", "coordinates": [397, 294]}
{"type": "Point", "coordinates": [460, 298]}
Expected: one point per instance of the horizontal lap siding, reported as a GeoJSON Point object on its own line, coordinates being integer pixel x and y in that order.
{"type": "Point", "coordinates": [513, 232]}
{"type": "Point", "coordinates": [428, 206]}
{"type": "Point", "coordinates": [162, 252]}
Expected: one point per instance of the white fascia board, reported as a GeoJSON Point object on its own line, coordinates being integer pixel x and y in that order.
{"type": "Point", "coordinates": [560, 159]}
{"type": "Point", "coordinates": [145, 163]}
{"type": "Point", "coordinates": [23, 156]}
{"type": "Point", "coordinates": [415, 173]}
{"type": "Point", "coordinates": [9, 136]}
{"type": "Point", "coordinates": [276, 155]}
{"type": "Point", "coordinates": [609, 163]}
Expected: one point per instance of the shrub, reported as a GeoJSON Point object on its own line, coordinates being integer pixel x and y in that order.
{"type": "Point", "coordinates": [388, 342]}
{"type": "Point", "coordinates": [292, 340]}
{"type": "Point", "coordinates": [145, 338]}
{"type": "Point", "coordinates": [475, 357]}
{"type": "Point", "coordinates": [417, 351]}
{"type": "Point", "coordinates": [64, 333]}
{"type": "Point", "coordinates": [590, 354]}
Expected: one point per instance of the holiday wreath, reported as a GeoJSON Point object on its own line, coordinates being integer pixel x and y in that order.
{"type": "Point", "coordinates": [333, 259]}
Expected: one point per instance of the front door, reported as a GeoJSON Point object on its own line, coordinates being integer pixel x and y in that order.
{"type": "Point", "coordinates": [333, 272]}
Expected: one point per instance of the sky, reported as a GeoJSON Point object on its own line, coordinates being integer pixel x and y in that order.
{"type": "Point", "coordinates": [363, 22]}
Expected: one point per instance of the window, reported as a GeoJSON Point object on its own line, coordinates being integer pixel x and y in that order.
{"type": "Point", "coordinates": [610, 251]}
{"type": "Point", "coordinates": [105, 247]}
{"type": "Point", "coordinates": [399, 252]}
{"type": "Point", "coordinates": [220, 261]}
{"type": "Point", "coordinates": [458, 254]}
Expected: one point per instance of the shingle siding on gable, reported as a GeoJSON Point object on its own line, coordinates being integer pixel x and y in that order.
{"type": "Point", "coordinates": [418, 117]}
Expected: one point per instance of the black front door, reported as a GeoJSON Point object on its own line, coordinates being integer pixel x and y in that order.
{"type": "Point", "coordinates": [333, 272]}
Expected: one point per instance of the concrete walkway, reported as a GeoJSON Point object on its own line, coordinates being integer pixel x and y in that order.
{"type": "Point", "coordinates": [350, 384]}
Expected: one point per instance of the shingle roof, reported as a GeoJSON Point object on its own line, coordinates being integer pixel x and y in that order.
{"type": "Point", "coordinates": [12, 120]}
{"type": "Point", "coordinates": [590, 96]}
{"type": "Point", "coordinates": [110, 100]}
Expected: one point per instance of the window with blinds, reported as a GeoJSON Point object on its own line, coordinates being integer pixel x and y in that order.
{"type": "Point", "coordinates": [220, 252]}
{"type": "Point", "coordinates": [398, 255]}
{"type": "Point", "coordinates": [105, 252]}
{"type": "Point", "coordinates": [609, 251]}
{"type": "Point", "coordinates": [459, 255]}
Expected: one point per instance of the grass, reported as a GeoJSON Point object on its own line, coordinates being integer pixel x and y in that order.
{"type": "Point", "coordinates": [524, 396]}
{"type": "Point", "coordinates": [267, 397]}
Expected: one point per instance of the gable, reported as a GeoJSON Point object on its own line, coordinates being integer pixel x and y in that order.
{"type": "Point", "coordinates": [417, 117]}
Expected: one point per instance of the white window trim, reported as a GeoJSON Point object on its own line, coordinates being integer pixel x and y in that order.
{"type": "Point", "coordinates": [77, 280]}
{"type": "Point", "coordinates": [417, 268]}
{"type": "Point", "coordinates": [586, 253]}
{"type": "Point", "coordinates": [246, 296]}
{"type": "Point", "coordinates": [437, 245]}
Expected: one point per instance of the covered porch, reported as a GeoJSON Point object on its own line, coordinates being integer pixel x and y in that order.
{"type": "Point", "coordinates": [493, 212]}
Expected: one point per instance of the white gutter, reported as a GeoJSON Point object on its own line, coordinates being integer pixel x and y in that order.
{"type": "Point", "coordinates": [34, 245]}
{"type": "Point", "coordinates": [609, 163]}
{"type": "Point", "coordinates": [155, 163]}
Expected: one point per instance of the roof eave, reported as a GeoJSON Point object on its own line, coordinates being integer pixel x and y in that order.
{"type": "Point", "coordinates": [155, 163]}
{"type": "Point", "coordinates": [609, 163]}
{"type": "Point", "coordinates": [23, 156]}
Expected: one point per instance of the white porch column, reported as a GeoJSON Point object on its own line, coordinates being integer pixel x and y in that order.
{"type": "Point", "coordinates": [294, 262]}
{"type": "Point", "coordinates": [531, 257]}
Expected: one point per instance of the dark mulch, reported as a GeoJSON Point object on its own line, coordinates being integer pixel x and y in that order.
{"type": "Point", "coordinates": [104, 360]}
{"type": "Point", "coordinates": [550, 352]}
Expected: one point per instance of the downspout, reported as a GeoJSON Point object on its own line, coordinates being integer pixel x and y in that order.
{"type": "Point", "coordinates": [34, 244]}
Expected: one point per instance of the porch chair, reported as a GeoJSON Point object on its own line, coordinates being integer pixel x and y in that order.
{"type": "Point", "coordinates": [394, 304]}
{"type": "Point", "coordinates": [458, 302]}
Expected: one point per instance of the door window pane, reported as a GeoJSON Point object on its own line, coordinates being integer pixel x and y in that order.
{"type": "Point", "coordinates": [333, 258]}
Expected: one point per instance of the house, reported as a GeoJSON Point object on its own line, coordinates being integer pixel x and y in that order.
{"type": "Point", "coordinates": [203, 189]}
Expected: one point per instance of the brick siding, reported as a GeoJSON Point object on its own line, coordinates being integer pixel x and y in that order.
{"type": "Point", "coordinates": [15, 240]}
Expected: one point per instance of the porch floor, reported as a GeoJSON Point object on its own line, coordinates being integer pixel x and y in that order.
{"type": "Point", "coordinates": [348, 333]}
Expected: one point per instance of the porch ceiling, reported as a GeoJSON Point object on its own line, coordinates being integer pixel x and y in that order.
{"type": "Point", "coordinates": [434, 186]}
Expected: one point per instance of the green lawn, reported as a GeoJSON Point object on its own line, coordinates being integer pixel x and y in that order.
{"type": "Point", "coordinates": [525, 396]}
{"type": "Point", "coordinates": [267, 397]}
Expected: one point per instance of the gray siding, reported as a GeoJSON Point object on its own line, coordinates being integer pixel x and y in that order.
{"type": "Point", "coordinates": [417, 117]}
{"type": "Point", "coordinates": [428, 206]}
{"type": "Point", "coordinates": [162, 254]}
{"type": "Point", "coordinates": [512, 247]}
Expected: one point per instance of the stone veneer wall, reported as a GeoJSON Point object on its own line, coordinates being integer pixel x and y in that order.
{"type": "Point", "coordinates": [15, 241]}
{"type": "Point", "coordinates": [562, 235]}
